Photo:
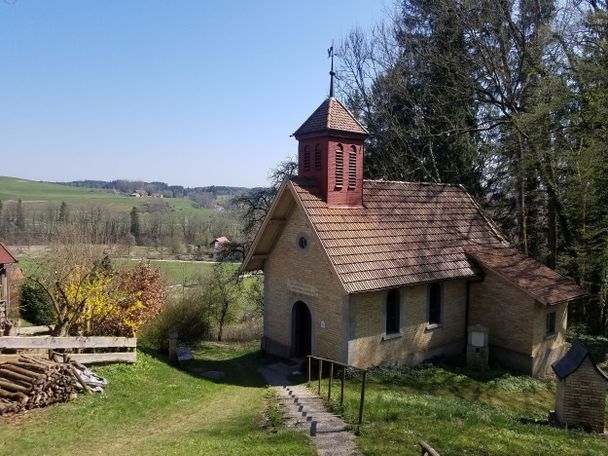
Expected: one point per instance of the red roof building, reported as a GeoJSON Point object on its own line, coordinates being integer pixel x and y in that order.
{"type": "Point", "coordinates": [6, 258]}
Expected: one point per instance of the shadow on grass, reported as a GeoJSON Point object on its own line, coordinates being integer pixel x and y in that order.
{"type": "Point", "coordinates": [239, 367]}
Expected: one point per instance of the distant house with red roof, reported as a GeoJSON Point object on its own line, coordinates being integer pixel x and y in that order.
{"type": "Point", "coordinates": [6, 259]}
{"type": "Point", "coordinates": [372, 272]}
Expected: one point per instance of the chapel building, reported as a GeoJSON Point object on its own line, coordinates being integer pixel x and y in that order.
{"type": "Point", "coordinates": [372, 272]}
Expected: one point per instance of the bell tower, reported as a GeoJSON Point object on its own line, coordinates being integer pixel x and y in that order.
{"type": "Point", "coordinates": [330, 152]}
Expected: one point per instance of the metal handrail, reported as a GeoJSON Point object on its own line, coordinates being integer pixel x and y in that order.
{"type": "Point", "coordinates": [342, 378]}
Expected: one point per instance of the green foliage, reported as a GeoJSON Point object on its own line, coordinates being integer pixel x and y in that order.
{"type": "Point", "coordinates": [36, 306]}
{"type": "Point", "coordinates": [189, 315]}
{"type": "Point", "coordinates": [274, 419]}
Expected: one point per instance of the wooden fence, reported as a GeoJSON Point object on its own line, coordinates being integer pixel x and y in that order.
{"type": "Point", "coordinates": [38, 343]}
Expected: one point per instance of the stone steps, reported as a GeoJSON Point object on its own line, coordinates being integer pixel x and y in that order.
{"type": "Point", "coordinates": [306, 411]}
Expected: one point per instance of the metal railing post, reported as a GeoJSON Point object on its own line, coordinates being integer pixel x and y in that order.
{"type": "Point", "coordinates": [331, 376]}
{"type": "Point", "coordinates": [320, 373]}
{"type": "Point", "coordinates": [362, 398]}
{"type": "Point", "coordinates": [342, 386]}
{"type": "Point", "coordinates": [309, 370]}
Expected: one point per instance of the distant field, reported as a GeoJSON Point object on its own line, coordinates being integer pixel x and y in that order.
{"type": "Point", "coordinates": [28, 191]}
{"type": "Point", "coordinates": [178, 272]}
{"type": "Point", "coordinates": [175, 272]}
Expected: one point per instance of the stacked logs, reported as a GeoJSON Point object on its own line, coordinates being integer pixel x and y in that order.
{"type": "Point", "coordinates": [35, 382]}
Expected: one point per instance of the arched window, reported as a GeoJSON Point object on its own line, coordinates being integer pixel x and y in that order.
{"type": "Point", "coordinates": [317, 157]}
{"type": "Point", "coordinates": [339, 167]}
{"type": "Point", "coordinates": [306, 158]}
{"type": "Point", "coordinates": [392, 312]}
{"type": "Point", "coordinates": [352, 168]}
{"type": "Point", "coordinates": [435, 304]}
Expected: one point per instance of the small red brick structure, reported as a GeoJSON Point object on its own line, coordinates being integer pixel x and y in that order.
{"type": "Point", "coordinates": [580, 391]}
{"type": "Point", "coordinates": [6, 258]}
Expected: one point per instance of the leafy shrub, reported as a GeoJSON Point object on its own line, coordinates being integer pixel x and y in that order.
{"type": "Point", "coordinates": [36, 306]}
{"type": "Point", "coordinates": [189, 316]}
{"type": "Point", "coordinates": [143, 293]}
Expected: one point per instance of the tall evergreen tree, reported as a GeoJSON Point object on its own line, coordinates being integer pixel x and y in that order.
{"type": "Point", "coordinates": [63, 212]}
{"type": "Point", "coordinates": [135, 226]}
{"type": "Point", "coordinates": [20, 217]}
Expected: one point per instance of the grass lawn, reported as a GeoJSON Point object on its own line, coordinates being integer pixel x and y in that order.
{"type": "Point", "coordinates": [152, 408]}
{"type": "Point", "coordinates": [177, 272]}
{"type": "Point", "coordinates": [461, 413]}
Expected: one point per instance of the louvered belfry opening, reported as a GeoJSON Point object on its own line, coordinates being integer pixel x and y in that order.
{"type": "Point", "coordinates": [337, 140]}
{"type": "Point", "coordinates": [307, 158]}
{"type": "Point", "coordinates": [352, 168]}
{"type": "Point", "coordinates": [339, 171]}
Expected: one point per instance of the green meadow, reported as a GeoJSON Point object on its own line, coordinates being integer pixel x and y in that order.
{"type": "Point", "coordinates": [31, 192]}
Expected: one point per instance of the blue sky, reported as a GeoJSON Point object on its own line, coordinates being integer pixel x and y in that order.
{"type": "Point", "coordinates": [185, 92]}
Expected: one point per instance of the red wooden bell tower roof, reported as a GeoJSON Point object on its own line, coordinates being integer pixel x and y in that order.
{"type": "Point", "coordinates": [330, 115]}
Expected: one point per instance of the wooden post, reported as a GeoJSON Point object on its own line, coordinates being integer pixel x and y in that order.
{"type": "Point", "coordinates": [362, 398]}
{"type": "Point", "coordinates": [331, 377]}
{"type": "Point", "coordinates": [309, 370]}
{"type": "Point", "coordinates": [173, 347]}
{"type": "Point", "coordinates": [342, 386]}
{"type": "Point", "coordinates": [320, 373]}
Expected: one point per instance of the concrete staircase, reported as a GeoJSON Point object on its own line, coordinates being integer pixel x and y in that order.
{"type": "Point", "coordinates": [306, 411]}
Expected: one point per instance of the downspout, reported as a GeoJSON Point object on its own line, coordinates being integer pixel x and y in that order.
{"type": "Point", "coordinates": [467, 307]}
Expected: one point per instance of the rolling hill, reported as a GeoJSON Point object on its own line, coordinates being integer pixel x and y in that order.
{"type": "Point", "coordinates": [31, 192]}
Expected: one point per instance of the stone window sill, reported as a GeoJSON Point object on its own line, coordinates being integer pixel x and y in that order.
{"type": "Point", "coordinates": [391, 336]}
{"type": "Point", "coordinates": [550, 336]}
{"type": "Point", "coordinates": [433, 326]}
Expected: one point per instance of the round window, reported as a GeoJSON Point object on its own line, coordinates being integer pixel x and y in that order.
{"type": "Point", "coordinates": [302, 242]}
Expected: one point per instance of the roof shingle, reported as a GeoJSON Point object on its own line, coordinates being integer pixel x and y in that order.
{"type": "Point", "coordinates": [330, 115]}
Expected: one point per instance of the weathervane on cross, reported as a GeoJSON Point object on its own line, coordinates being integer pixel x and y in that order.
{"type": "Point", "coordinates": [330, 55]}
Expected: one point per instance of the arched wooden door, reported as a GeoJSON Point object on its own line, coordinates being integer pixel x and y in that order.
{"type": "Point", "coordinates": [301, 323]}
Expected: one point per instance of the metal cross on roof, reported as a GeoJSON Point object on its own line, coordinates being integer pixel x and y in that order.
{"type": "Point", "coordinates": [330, 54]}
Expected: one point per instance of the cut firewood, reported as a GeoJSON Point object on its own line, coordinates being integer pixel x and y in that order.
{"type": "Point", "coordinates": [14, 387]}
{"type": "Point", "coordinates": [36, 382]}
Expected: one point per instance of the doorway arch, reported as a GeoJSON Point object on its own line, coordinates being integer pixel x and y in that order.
{"type": "Point", "coordinates": [301, 324]}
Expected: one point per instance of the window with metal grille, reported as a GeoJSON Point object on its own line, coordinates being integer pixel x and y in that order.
{"type": "Point", "coordinates": [352, 168]}
{"type": "Point", "coordinates": [392, 312]}
{"type": "Point", "coordinates": [435, 304]}
{"type": "Point", "coordinates": [306, 158]}
{"type": "Point", "coordinates": [317, 157]}
{"type": "Point", "coordinates": [339, 166]}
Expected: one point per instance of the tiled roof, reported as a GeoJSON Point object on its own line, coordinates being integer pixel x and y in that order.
{"type": "Point", "coordinates": [409, 233]}
{"type": "Point", "coordinates": [537, 280]}
{"type": "Point", "coordinates": [330, 115]}
{"type": "Point", "coordinates": [5, 256]}
{"type": "Point", "coordinates": [406, 233]}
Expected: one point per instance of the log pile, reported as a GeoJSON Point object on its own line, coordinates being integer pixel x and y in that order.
{"type": "Point", "coordinates": [36, 382]}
